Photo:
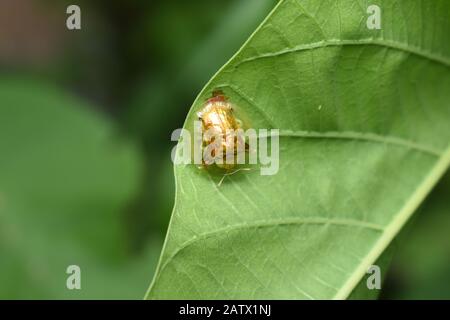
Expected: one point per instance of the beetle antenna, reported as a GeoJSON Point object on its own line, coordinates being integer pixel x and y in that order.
{"type": "Point", "coordinates": [217, 92]}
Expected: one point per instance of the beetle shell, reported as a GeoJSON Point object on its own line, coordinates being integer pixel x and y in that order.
{"type": "Point", "coordinates": [217, 118]}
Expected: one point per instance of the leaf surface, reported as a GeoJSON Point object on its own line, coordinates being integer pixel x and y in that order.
{"type": "Point", "coordinates": [364, 136]}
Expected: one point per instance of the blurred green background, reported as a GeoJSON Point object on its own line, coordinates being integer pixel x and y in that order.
{"type": "Point", "coordinates": [85, 123]}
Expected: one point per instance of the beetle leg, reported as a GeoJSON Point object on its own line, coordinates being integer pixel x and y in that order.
{"type": "Point", "coordinates": [231, 173]}
{"type": "Point", "coordinates": [203, 166]}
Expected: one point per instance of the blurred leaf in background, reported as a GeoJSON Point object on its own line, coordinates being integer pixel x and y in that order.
{"type": "Point", "coordinates": [64, 182]}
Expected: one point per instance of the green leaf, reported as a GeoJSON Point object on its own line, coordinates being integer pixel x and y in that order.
{"type": "Point", "coordinates": [64, 185]}
{"type": "Point", "coordinates": [364, 137]}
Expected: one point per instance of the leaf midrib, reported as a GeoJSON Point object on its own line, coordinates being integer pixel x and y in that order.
{"type": "Point", "coordinates": [396, 224]}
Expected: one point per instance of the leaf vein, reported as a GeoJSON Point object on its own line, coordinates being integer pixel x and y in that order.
{"type": "Point", "coordinates": [338, 42]}
{"type": "Point", "coordinates": [272, 223]}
